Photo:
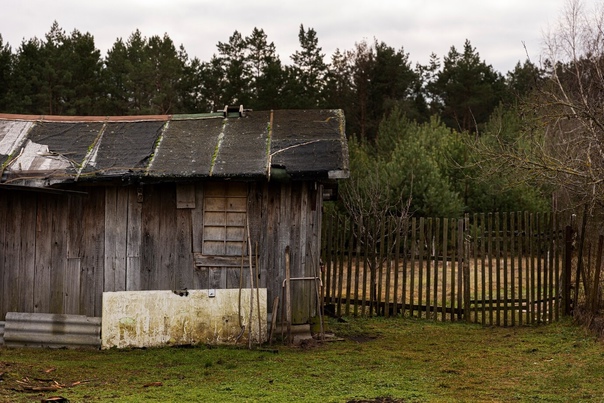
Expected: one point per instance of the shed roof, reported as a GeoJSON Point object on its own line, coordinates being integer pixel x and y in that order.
{"type": "Point", "coordinates": [49, 150]}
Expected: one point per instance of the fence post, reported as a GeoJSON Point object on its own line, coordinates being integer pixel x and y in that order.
{"type": "Point", "coordinates": [466, 268]}
{"type": "Point", "coordinates": [567, 270]}
{"type": "Point", "coordinates": [596, 282]}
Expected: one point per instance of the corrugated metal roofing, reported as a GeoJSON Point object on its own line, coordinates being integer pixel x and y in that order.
{"type": "Point", "coordinates": [48, 150]}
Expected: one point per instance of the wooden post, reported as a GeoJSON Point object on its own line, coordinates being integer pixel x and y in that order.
{"type": "Point", "coordinates": [273, 319]}
{"type": "Point", "coordinates": [596, 283]}
{"type": "Point", "coordinates": [466, 267]}
{"type": "Point", "coordinates": [288, 296]}
{"type": "Point", "coordinates": [249, 249]}
{"type": "Point", "coordinates": [580, 259]}
{"type": "Point", "coordinates": [567, 269]}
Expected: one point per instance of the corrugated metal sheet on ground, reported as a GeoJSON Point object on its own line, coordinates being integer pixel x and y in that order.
{"type": "Point", "coordinates": [51, 330]}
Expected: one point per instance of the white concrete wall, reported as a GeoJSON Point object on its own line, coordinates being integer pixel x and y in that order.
{"type": "Point", "coordinates": [160, 318]}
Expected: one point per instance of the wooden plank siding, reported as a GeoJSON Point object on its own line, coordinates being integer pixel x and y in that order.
{"type": "Point", "coordinates": [60, 252]}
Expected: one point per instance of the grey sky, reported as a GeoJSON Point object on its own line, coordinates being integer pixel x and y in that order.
{"type": "Point", "coordinates": [496, 28]}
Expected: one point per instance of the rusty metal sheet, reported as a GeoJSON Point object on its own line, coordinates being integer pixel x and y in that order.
{"type": "Point", "coordinates": [243, 150]}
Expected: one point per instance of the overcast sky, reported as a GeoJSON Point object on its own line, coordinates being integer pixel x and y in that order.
{"type": "Point", "coordinates": [496, 28]}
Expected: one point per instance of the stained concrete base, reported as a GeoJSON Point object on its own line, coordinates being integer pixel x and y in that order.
{"type": "Point", "coordinates": [160, 318]}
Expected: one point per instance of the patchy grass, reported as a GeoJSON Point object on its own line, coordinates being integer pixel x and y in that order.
{"type": "Point", "coordinates": [380, 360]}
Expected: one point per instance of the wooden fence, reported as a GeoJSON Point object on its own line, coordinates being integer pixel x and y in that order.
{"type": "Point", "coordinates": [495, 269]}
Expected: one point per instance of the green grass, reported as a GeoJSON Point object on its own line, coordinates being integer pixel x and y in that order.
{"type": "Point", "coordinates": [406, 360]}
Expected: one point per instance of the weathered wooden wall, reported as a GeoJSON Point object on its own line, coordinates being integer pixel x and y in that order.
{"type": "Point", "coordinates": [59, 252]}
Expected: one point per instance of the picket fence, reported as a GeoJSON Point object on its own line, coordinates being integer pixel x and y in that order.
{"type": "Point", "coordinates": [500, 269]}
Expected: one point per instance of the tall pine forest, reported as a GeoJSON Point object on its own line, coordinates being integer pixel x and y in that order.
{"type": "Point", "coordinates": [417, 133]}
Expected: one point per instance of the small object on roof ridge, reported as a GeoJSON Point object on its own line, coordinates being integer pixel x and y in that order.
{"type": "Point", "coordinates": [235, 109]}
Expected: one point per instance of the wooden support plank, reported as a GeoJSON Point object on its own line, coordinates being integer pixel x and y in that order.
{"type": "Point", "coordinates": [336, 259]}
{"type": "Point", "coordinates": [532, 274]}
{"type": "Point", "coordinates": [116, 229]}
{"type": "Point", "coordinates": [491, 257]}
{"type": "Point", "coordinates": [414, 252]}
{"type": "Point", "coordinates": [357, 264]}
{"type": "Point", "coordinates": [71, 287]}
{"type": "Point", "coordinates": [483, 272]}
{"type": "Point", "coordinates": [340, 273]}
{"type": "Point", "coordinates": [520, 253]}
{"type": "Point", "coordinates": [283, 221]}
{"type": "Point", "coordinates": [389, 250]}
{"type": "Point", "coordinates": [349, 264]}
{"type": "Point", "coordinates": [150, 238]}
{"type": "Point", "coordinates": [551, 275]}
{"type": "Point", "coordinates": [12, 252]}
{"type": "Point", "coordinates": [454, 269]}
{"type": "Point", "coordinates": [420, 277]}
{"type": "Point", "coordinates": [475, 252]}
{"type": "Point", "coordinates": [217, 278]}
{"type": "Point", "coordinates": [275, 258]}
{"type": "Point", "coordinates": [93, 253]}
{"type": "Point", "coordinates": [373, 266]}
{"type": "Point", "coordinates": [437, 267]}
{"type": "Point", "coordinates": [111, 240]}
{"type": "Point", "coordinates": [461, 268]}
{"type": "Point", "coordinates": [504, 257]}
{"type": "Point", "coordinates": [365, 237]}
{"type": "Point", "coordinates": [558, 258]}
{"type": "Point", "coordinates": [466, 268]}
{"type": "Point", "coordinates": [185, 196]}
{"type": "Point", "coordinates": [28, 253]}
{"type": "Point", "coordinates": [3, 265]}
{"type": "Point", "coordinates": [445, 248]}
{"type": "Point", "coordinates": [429, 257]}
{"type": "Point", "coordinates": [513, 268]}
{"type": "Point", "coordinates": [316, 210]}
{"type": "Point", "coordinates": [304, 292]}
{"type": "Point", "coordinates": [498, 272]}
{"type": "Point", "coordinates": [399, 227]}
{"type": "Point", "coordinates": [58, 256]}
{"type": "Point", "coordinates": [133, 240]}
{"type": "Point", "coordinates": [380, 265]}
{"type": "Point", "coordinates": [329, 234]}
{"type": "Point", "coordinates": [75, 235]}
{"type": "Point", "coordinates": [184, 257]}
{"type": "Point", "coordinates": [405, 273]}
{"type": "Point", "coordinates": [166, 269]}
{"type": "Point", "coordinates": [539, 266]}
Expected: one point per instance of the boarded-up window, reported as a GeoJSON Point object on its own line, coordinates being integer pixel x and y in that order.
{"type": "Point", "coordinates": [224, 219]}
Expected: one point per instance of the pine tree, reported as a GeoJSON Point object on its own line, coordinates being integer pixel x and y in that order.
{"type": "Point", "coordinates": [468, 89]}
{"type": "Point", "coordinates": [235, 69]}
{"type": "Point", "coordinates": [115, 76]}
{"type": "Point", "coordinates": [266, 73]}
{"type": "Point", "coordinates": [6, 67]}
{"type": "Point", "coordinates": [306, 78]}
{"type": "Point", "coordinates": [26, 86]}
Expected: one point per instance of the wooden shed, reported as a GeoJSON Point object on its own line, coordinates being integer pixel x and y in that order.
{"type": "Point", "coordinates": [95, 204]}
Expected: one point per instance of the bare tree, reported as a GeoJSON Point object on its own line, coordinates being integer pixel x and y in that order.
{"type": "Point", "coordinates": [378, 215]}
{"type": "Point", "coordinates": [562, 141]}
{"type": "Point", "coordinates": [563, 137]}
